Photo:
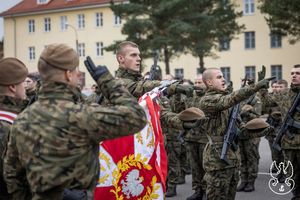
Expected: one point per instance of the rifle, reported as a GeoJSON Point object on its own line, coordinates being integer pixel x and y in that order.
{"type": "Point", "coordinates": [153, 70]}
{"type": "Point", "coordinates": [287, 123]}
{"type": "Point", "coordinates": [88, 62]}
{"type": "Point", "coordinates": [231, 132]}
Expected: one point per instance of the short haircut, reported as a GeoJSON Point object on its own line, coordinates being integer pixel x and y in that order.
{"type": "Point", "coordinates": [207, 74]}
{"type": "Point", "coordinates": [273, 82]}
{"type": "Point", "coordinates": [282, 82]}
{"type": "Point", "coordinates": [297, 66]}
{"type": "Point", "coordinates": [124, 44]}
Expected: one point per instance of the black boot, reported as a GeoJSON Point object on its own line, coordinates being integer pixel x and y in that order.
{"type": "Point", "coordinates": [171, 191]}
{"type": "Point", "coordinates": [196, 196]}
{"type": "Point", "coordinates": [241, 187]}
{"type": "Point", "coordinates": [249, 187]}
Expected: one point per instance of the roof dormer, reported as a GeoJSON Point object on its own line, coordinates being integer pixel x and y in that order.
{"type": "Point", "coordinates": [40, 2]}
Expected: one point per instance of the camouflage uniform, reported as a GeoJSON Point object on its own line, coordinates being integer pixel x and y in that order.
{"type": "Point", "coordinates": [221, 178]}
{"type": "Point", "coordinates": [249, 150]}
{"type": "Point", "coordinates": [195, 142]}
{"type": "Point", "coordinates": [13, 105]}
{"type": "Point", "coordinates": [291, 147]}
{"type": "Point", "coordinates": [57, 138]}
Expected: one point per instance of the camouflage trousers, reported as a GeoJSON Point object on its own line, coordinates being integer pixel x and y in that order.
{"type": "Point", "coordinates": [293, 155]}
{"type": "Point", "coordinates": [195, 155]}
{"type": "Point", "coordinates": [249, 159]}
{"type": "Point", "coordinates": [173, 149]}
{"type": "Point", "coordinates": [221, 184]}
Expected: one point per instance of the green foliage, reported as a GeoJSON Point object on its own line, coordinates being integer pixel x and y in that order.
{"type": "Point", "coordinates": [283, 17]}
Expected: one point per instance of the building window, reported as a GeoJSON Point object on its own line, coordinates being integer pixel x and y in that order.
{"type": "Point", "coordinates": [31, 26]}
{"type": "Point", "coordinates": [81, 21]}
{"type": "Point", "coordinates": [31, 53]}
{"type": "Point", "coordinates": [224, 44]}
{"type": "Point", "coordinates": [99, 19]}
{"type": "Point", "coordinates": [249, 7]}
{"type": "Point", "coordinates": [118, 20]}
{"type": "Point", "coordinates": [179, 73]}
{"type": "Point", "coordinates": [250, 40]}
{"type": "Point", "coordinates": [275, 40]}
{"type": "Point", "coordinates": [42, 1]}
{"type": "Point", "coordinates": [81, 49]}
{"type": "Point", "coordinates": [226, 73]}
{"type": "Point", "coordinates": [63, 23]}
{"type": "Point", "coordinates": [276, 70]}
{"type": "Point", "coordinates": [250, 72]}
{"type": "Point", "coordinates": [47, 24]}
{"type": "Point", "coordinates": [99, 48]}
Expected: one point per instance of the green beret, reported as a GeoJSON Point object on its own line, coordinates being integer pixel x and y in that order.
{"type": "Point", "coordinates": [12, 71]}
{"type": "Point", "coordinates": [191, 114]}
{"type": "Point", "coordinates": [60, 56]}
{"type": "Point", "coordinates": [257, 123]}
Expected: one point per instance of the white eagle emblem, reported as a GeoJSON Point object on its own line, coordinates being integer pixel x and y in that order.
{"type": "Point", "coordinates": [132, 186]}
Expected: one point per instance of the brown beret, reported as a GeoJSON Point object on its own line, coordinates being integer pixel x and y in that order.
{"type": "Point", "coordinates": [257, 123]}
{"type": "Point", "coordinates": [190, 114]}
{"type": "Point", "coordinates": [60, 56]}
{"type": "Point", "coordinates": [247, 108]}
{"type": "Point", "coordinates": [12, 71]}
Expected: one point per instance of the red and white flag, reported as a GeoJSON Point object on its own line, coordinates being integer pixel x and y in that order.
{"type": "Point", "coordinates": [134, 167]}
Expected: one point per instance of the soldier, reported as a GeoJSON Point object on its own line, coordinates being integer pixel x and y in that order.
{"type": "Point", "coordinates": [195, 142]}
{"type": "Point", "coordinates": [12, 101]}
{"type": "Point", "coordinates": [57, 138]}
{"type": "Point", "coordinates": [32, 83]}
{"type": "Point", "coordinates": [221, 178]}
{"type": "Point", "coordinates": [290, 146]}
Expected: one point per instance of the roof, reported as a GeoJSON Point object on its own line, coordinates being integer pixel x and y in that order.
{"type": "Point", "coordinates": [29, 7]}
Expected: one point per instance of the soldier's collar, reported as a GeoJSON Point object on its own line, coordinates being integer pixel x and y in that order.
{"type": "Point", "coordinates": [12, 104]}
{"type": "Point", "coordinates": [295, 88]}
{"type": "Point", "coordinates": [60, 90]}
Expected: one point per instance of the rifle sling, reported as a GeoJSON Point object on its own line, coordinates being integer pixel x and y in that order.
{"type": "Point", "coordinates": [293, 123]}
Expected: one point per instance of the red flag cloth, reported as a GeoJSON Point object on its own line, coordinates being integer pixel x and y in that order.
{"type": "Point", "coordinates": [134, 167]}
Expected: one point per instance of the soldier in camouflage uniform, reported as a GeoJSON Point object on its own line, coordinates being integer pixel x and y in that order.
{"type": "Point", "coordinates": [195, 142]}
{"type": "Point", "coordinates": [221, 178]}
{"type": "Point", "coordinates": [57, 138]}
{"type": "Point", "coordinates": [249, 148]}
{"type": "Point", "coordinates": [290, 147]}
{"type": "Point", "coordinates": [32, 84]}
{"type": "Point", "coordinates": [12, 101]}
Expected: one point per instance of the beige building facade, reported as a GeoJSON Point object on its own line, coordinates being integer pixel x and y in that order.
{"type": "Point", "coordinates": [91, 25]}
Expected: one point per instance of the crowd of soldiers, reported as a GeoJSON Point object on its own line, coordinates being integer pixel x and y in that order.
{"type": "Point", "coordinates": [50, 132]}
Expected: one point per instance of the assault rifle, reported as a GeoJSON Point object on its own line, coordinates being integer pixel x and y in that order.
{"type": "Point", "coordinates": [287, 123]}
{"type": "Point", "coordinates": [231, 131]}
{"type": "Point", "coordinates": [153, 71]}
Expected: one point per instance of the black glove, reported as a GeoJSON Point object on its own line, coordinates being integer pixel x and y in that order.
{"type": "Point", "coordinates": [265, 82]}
{"type": "Point", "coordinates": [96, 72]}
{"type": "Point", "coordinates": [229, 88]}
{"type": "Point", "coordinates": [261, 74]}
{"type": "Point", "coordinates": [185, 89]}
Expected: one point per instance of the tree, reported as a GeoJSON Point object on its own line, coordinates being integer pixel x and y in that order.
{"type": "Point", "coordinates": [283, 17]}
{"type": "Point", "coordinates": [207, 23]}
{"type": "Point", "coordinates": [148, 24]}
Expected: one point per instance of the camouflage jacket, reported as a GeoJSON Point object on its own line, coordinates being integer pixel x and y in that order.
{"type": "Point", "coordinates": [135, 84]}
{"type": "Point", "coordinates": [57, 138]}
{"type": "Point", "coordinates": [196, 134]}
{"type": "Point", "coordinates": [15, 106]}
{"type": "Point", "coordinates": [284, 102]}
{"type": "Point", "coordinates": [216, 106]}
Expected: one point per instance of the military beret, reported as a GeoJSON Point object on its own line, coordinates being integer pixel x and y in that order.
{"type": "Point", "coordinates": [257, 123]}
{"type": "Point", "coordinates": [190, 114]}
{"type": "Point", "coordinates": [60, 56]}
{"type": "Point", "coordinates": [12, 71]}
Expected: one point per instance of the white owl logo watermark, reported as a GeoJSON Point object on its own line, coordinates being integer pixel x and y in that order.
{"type": "Point", "coordinates": [282, 187]}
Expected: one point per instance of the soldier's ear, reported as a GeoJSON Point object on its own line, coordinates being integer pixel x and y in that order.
{"type": "Point", "coordinates": [68, 75]}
